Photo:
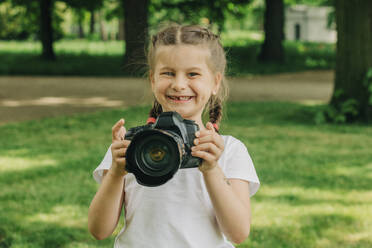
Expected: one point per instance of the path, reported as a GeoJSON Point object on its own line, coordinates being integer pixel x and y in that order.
{"type": "Point", "coordinates": [26, 98]}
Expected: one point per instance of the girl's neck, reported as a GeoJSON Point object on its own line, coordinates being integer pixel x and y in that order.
{"type": "Point", "coordinates": [198, 121]}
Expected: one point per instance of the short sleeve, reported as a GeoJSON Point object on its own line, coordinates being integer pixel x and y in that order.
{"type": "Point", "coordinates": [239, 165]}
{"type": "Point", "coordinates": [104, 165]}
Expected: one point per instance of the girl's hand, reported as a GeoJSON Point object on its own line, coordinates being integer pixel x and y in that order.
{"type": "Point", "coordinates": [208, 146]}
{"type": "Point", "coordinates": [118, 149]}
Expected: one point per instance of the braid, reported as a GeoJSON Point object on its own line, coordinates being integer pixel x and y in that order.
{"type": "Point", "coordinates": [156, 110]}
{"type": "Point", "coordinates": [215, 112]}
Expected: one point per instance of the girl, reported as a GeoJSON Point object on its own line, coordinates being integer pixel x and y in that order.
{"type": "Point", "coordinates": [198, 207]}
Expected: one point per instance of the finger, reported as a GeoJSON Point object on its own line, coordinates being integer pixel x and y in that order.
{"type": "Point", "coordinates": [204, 155]}
{"type": "Point", "coordinates": [205, 139]}
{"type": "Point", "coordinates": [213, 138]}
{"type": "Point", "coordinates": [121, 162]}
{"type": "Point", "coordinates": [210, 127]}
{"type": "Point", "coordinates": [119, 152]}
{"type": "Point", "coordinates": [116, 128]}
{"type": "Point", "coordinates": [120, 144]}
{"type": "Point", "coordinates": [121, 133]}
{"type": "Point", "coordinates": [203, 133]}
{"type": "Point", "coordinates": [208, 147]}
{"type": "Point", "coordinates": [209, 130]}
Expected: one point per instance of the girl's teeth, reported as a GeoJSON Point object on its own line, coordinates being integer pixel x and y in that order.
{"type": "Point", "coordinates": [181, 98]}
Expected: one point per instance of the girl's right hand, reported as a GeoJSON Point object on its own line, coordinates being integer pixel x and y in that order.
{"type": "Point", "coordinates": [118, 149]}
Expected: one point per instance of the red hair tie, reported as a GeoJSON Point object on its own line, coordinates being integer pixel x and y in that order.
{"type": "Point", "coordinates": [215, 125]}
{"type": "Point", "coordinates": [151, 120]}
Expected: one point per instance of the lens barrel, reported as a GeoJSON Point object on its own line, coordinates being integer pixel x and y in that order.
{"type": "Point", "coordinates": [154, 156]}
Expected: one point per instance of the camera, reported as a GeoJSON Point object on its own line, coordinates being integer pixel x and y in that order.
{"type": "Point", "coordinates": [158, 150]}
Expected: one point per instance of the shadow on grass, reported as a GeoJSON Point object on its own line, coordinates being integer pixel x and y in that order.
{"type": "Point", "coordinates": [34, 199]}
{"type": "Point", "coordinates": [312, 231]}
{"type": "Point", "coordinates": [296, 200]}
{"type": "Point", "coordinates": [41, 234]}
{"type": "Point", "coordinates": [283, 114]}
{"type": "Point", "coordinates": [38, 202]}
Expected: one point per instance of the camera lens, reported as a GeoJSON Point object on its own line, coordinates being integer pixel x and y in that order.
{"type": "Point", "coordinates": [157, 154]}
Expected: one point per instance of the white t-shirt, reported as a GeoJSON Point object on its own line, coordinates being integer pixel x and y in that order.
{"type": "Point", "coordinates": [179, 213]}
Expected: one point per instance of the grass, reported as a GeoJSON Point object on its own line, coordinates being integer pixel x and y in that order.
{"type": "Point", "coordinates": [316, 179]}
{"type": "Point", "coordinates": [98, 58]}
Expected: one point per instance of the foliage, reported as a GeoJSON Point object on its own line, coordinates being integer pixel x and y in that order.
{"type": "Point", "coordinates": [184, 11]}
{"type": "Point", "coordinates": [342, 112]}
{"type": "Point", "coordinates": [315, 180]}
{"type": "Point", "coordinates": [20, 20]}
{"type": "Point", "coordinates": [88, 58]}
{"type": "Point", "coordinates": [368, 84]}
{"type": "Point", "coordinates": [17, 22]}
{"type": "Point", "coordinates": [82, 4]}
{"type": "Point", "coordinates": [310, 2]}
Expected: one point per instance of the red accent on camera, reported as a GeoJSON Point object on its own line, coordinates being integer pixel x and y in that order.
{"type": "Point", "coordinates": [150, 120]}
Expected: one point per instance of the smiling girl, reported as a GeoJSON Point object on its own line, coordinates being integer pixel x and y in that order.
{"type": "Point", "coordinates": [204, 207]}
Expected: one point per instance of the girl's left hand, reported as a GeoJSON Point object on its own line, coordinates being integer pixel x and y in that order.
{"type": "Point", "coordinates": [208, 146]}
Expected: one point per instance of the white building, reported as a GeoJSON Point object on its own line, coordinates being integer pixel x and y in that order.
{"type": "Point", "coordinates": [309, 23]}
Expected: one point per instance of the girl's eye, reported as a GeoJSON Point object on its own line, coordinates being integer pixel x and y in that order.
{"type": "Point", "coordinates": [193, 74]}
{"type": "Point", "coordinates": [167, 73]}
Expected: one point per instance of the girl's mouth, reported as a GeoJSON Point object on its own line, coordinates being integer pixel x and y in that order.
{"type": "Point", "coordinates": [180, 98]}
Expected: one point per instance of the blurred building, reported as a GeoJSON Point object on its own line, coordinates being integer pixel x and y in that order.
{"type": "Point", "coordinates": [310, 23]}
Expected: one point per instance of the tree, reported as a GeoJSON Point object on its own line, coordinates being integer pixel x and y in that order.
{"type": "Point", "coordinates": [82, 6]}
{"type": "Point", "coordinates": [214, 10]}
{"type": "Point", "coordinates": [135, 32]}
{"type": "Point", "coordinates": [46, 30]}
{"type": "Point", "coordinates": [272, 48]}
{"type": "Point", "coordinates": [43, 22]}
{"type": "Point", "coordinates": [352, 93]}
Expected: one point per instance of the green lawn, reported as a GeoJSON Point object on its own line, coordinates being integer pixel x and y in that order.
{"type": "Point", "coordinates": [98, 58]}
{"type": "Point", "coordinates": [316, 179]}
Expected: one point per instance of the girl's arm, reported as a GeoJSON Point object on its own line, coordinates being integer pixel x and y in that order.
{"type": "Point", "coordinates": [105, 209]}
{"type": "Point", "coordinates": [230, 197]}
{"type": "Point", "coordinates": [106, 206]}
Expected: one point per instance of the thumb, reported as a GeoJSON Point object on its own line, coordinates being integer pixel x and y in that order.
{"type": "Point", "coordinates": [209, 126]}
{"type": "Point", "coordinates": [121, 133]}
{"type": "Point", "coordinates": [118, 130]}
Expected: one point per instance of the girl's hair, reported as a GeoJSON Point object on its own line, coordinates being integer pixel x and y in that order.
{"type": "Point", "coordinates": [199, 36]}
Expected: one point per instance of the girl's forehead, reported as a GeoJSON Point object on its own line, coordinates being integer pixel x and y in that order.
{"type": "Point", "coordinates": [182, 56]}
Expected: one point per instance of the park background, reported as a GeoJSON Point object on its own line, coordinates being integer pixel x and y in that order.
{"type": "Point", "coordinates": [301, 105]}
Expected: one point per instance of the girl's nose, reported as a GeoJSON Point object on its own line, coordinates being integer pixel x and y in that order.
{"type": "Point", "coordinates": [179, 83]}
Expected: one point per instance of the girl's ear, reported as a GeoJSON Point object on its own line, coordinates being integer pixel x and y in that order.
{"type": "Point", "coordinates": [217, 81]}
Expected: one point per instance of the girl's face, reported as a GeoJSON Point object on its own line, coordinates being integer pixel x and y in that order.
{"type": "Point", "coordinates": [182, 81]}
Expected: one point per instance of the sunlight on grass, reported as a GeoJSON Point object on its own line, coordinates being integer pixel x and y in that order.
{"type": "Point", "coordinates": [8, 164]}
{"type": "Point", "coordinates": [316, 179]}
{"type": "Point", "coordinates": [56, 101]}
{"type": "Point", "coordinates": [63, 215]}
{"type": "Point", "coordinates": [90, 47]}
{"type": "Point", "coordinates": [365, 170]}
{"type": "Point", "coordinates": [328, 215]}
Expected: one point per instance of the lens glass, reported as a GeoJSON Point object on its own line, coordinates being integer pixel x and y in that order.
{"type": "Point", "coordinates": [157, 154]}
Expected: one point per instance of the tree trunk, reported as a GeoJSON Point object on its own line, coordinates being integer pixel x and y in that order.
{"type": "Point", "coordinates": [272, 48]}
{"type": "Point", "coordinates": [135, 32]}
{"type": "Point", "coordinates": [80, 24]}
{"type": "Point", "coordinates": [353, 58]}
{"type": "Point", "coordinates": [46, 30]}
{"type": "Point", "coordinates": [121, 35]}
{"type": "Point", "coordinates": [92, 22]}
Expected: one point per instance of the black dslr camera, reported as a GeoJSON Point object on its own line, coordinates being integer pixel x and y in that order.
{"type": "Point", "coordinates": [158, 150]}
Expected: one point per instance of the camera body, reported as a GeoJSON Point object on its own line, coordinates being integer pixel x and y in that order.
{"type": "Point", "coordinates": [158, 150]}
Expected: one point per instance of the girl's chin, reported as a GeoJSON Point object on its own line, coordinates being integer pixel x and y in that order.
{"type": "Point", "coordinates": [184, 113]}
